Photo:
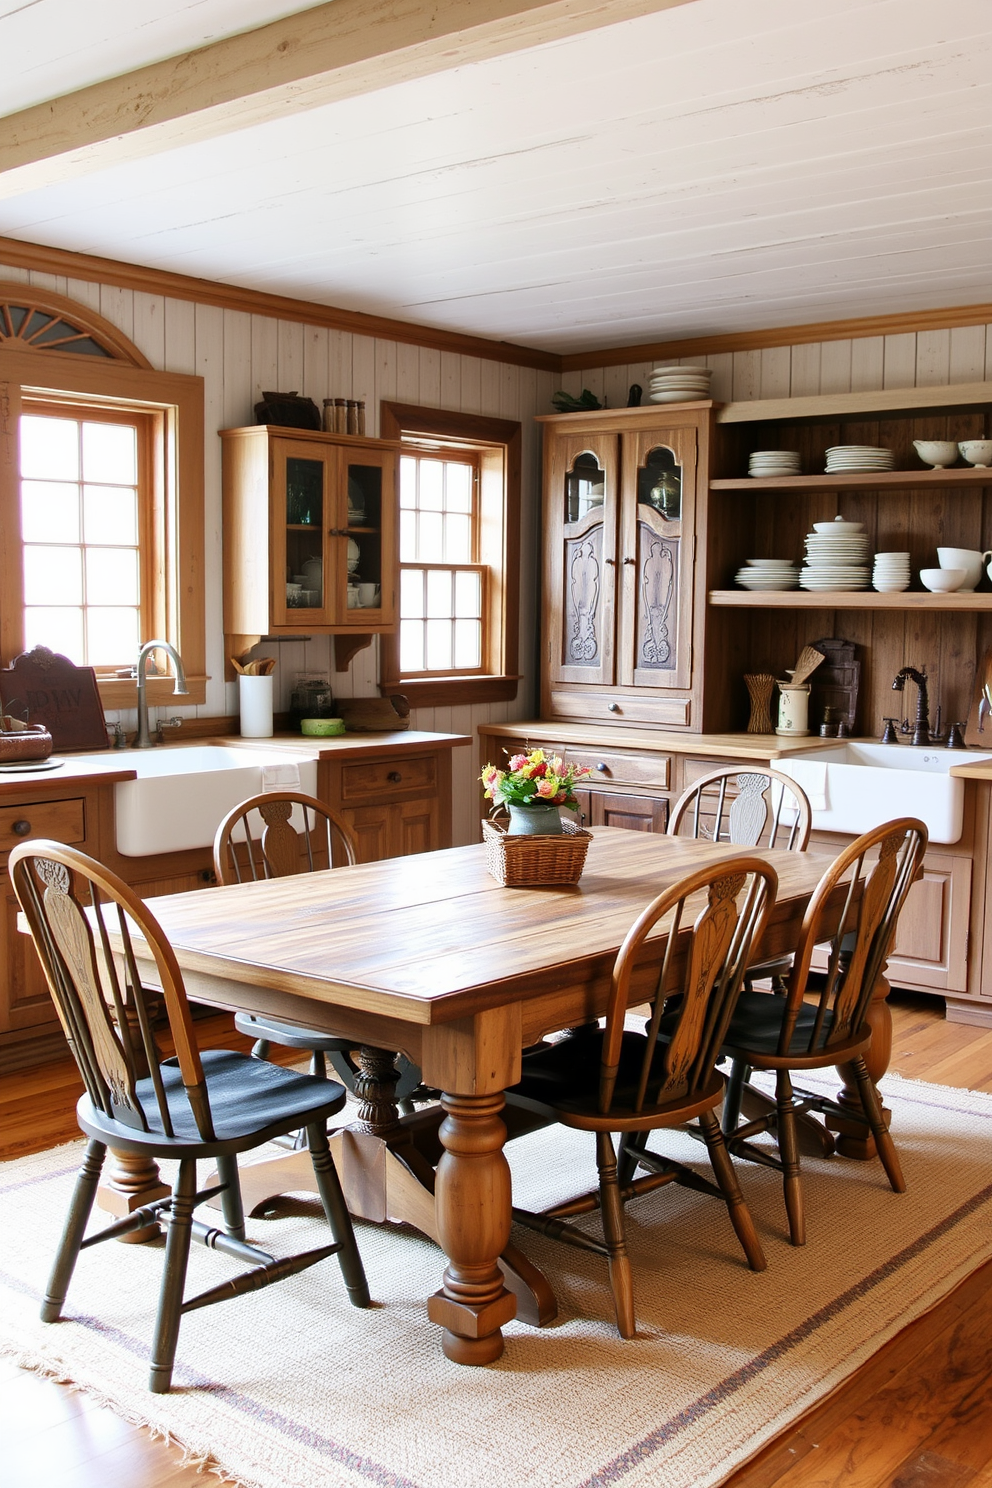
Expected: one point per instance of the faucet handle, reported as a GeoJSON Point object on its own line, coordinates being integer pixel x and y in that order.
{"type": "Point", "coordinates": [889, 735]}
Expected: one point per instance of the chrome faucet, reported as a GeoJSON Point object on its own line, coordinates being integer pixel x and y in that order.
{"type": "Point", "coordinates": [921, 727]}
{"type": "Point", "coordinates": [143, 739]}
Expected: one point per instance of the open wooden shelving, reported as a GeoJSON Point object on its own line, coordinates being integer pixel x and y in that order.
{"type": "Point", "coordinates": [845, 599]}
{"type": "Point", "coordinates": [878, 480]}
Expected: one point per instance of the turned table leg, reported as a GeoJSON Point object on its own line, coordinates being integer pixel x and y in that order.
{"type": "Point", "coordinates": [853, 1137]}
{"type": "Point", "coordinates": [472, 1199]}
{"type": "Point", "coordinates": [130, 1181]}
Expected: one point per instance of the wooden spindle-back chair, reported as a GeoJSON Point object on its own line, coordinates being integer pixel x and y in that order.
{"type": "Point", "coordinates": [275, 835]}
{"type": "Point", "coordinates": [823, 1018]}
{"type": "Point", "coordinates": [614, 1079]}
{"type": "Point", "coordinates": [85, 922]}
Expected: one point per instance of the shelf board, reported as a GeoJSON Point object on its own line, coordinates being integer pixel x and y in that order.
{"type": "Point", "coordinates": [880, 480]}
{"type": "Point", "coordinates": [845, 599]}
{"type": "Point", "coordinates": [841, 405]}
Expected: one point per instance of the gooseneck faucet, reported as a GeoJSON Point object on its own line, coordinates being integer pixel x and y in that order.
{"type": "Point", "coordinates": [143, 739]}
{"type": "Point", "coordinates": [921, 727]}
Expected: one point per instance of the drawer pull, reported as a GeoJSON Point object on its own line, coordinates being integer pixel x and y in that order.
{"type": "Point", "coordinates": [613, 707]}
{"type": "Point", "coordinates": [603, 769]}
{"type": "Point", "coordinates": [21, 828]}
{"type": "Point", "coordinates": [394, 777]}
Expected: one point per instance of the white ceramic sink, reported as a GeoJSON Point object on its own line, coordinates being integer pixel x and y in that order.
{"type": "Point", "coordinates": [183, 793]}
{"type": "Point", "coordinates": [853, 787]}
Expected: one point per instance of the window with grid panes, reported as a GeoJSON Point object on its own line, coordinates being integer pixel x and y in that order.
{"type": "Point", "coordinates": [442, 583]}
{"type": "Point", "coordinates": [84, 496]}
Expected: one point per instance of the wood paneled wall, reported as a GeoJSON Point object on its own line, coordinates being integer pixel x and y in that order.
{"type": "Point", "coordinates": [240, 354]}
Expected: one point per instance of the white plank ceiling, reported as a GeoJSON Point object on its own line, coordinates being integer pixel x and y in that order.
{"type": "Point", "coordinates": [719, 167]}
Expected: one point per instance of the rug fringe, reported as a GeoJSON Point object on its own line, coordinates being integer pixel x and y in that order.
{"type": "Point", "coordinates": [190, 1457]}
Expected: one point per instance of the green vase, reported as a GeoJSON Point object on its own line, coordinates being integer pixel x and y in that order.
{"type": "Point", "coordinates": [540, 820]}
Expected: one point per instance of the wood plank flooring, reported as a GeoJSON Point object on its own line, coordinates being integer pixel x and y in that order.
{"type": "Point", "coordinates": [916, 1415]}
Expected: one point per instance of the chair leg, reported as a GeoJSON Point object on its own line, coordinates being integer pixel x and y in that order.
{"type": "Point", "coordinates": [260, 1049]}
{"type": "Point", "coordinates": [318, 1064]}
{"type": "Point", "coordinates": [621, 1279]}
{"type": "Point", "coordinates": [630, 1145]}
{"type": "Point", "coordinates": [740, 1073]}
{"type": "Point", "coordinates": [329, 1188]}
{"type": "Point", "coordinates": [230, 1200]}
{"type": "Point", "coordinates": [173, 1278]}
{"type": "Point", "coordinates": [726, 1177]}
{"type": "Point", "coordinates": [873, 1115]}
{"type": "Point", "coordinates": [72, 1235]}
{"type": "Point", "coordinates": [788, 1149]}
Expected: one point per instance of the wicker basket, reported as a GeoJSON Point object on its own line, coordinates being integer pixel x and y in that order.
{"type": "Point", "coordinates": [530, 861]}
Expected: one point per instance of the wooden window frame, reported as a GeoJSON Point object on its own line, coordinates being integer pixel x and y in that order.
{"type": "Point", "coordinates": [498, 444]}
{"type": "Point", "coordinates": [175, 403]}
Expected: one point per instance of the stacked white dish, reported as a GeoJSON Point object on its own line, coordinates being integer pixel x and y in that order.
{"type": "Point", "coordinates": [769, 463]}
{"type": "Point", "coordinates": [768, 573]}
{"type": "Point", "coordinates": [858, 459]}
{"type": "Point", "coordinates": [836, 557]}
{"type": "Point", "coordinates": [891, 573]}
{"type": "Point", "coordinates": [679, 384]}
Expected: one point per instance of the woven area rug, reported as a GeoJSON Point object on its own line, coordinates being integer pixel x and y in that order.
{"type": "Point", "coordinates": [293, 1388]}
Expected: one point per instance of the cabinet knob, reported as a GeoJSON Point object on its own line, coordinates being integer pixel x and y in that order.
{"type": "Point", "coordinates": [21, 828]}
{"type": "Point", "coordinates": [602, 768]}
{"type": "Point", "coordinates": [394, 777]}
{"type": "Point", "coordinates": [613, 707]}
{"type": "Point", "coordinates": [610, 562]}
{"type": "Point", "coordinates": [630, 560]}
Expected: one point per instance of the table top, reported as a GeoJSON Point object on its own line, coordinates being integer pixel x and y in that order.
{"type": "Point", "coordinates": [432, 938]}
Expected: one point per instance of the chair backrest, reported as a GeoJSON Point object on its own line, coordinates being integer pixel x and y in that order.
{"type": "Point", "coordinates": [692, 977]}
{"type": "Point", "coordinates": [873, 876]}
{"type": "Point", "coordinates": [259, 838]}
{"type": "Point", "coordinates": [767, 809]}
{"type": "Point", "coordinates": [73, 906]}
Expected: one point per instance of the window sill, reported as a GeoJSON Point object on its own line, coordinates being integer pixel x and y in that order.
{"type": "Point", "coordinates": [446, 692]}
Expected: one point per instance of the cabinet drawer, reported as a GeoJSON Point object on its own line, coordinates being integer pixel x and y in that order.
{"type": "Point", "coordinates": [628, 769]}
{"type": "Point", "coordinates": [61, 820]}
{"type": "Point", "coordinates": [608, 707]}
{"type": "Point", "coordinates": [379, 779]}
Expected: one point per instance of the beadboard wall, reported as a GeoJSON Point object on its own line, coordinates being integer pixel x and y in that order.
{"type": "Point", "coordinates": [238, 354]}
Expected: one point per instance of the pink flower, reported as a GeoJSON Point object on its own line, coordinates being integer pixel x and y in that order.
{"type": "Point", "coordinates": [545, 788]}
{"type": "Point", "coordinates": [518, 761]}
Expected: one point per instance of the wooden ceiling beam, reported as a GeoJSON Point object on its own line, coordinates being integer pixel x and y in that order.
{"type": "Point", "coordinates": [301, 62]}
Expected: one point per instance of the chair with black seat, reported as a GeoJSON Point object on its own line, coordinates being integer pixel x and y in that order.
{"type": "Point", "coordinates": [274, 835]}
{"type": "Point", "coordinates": [766, 809]}
{"type": "Point", "coordinates": [823, 1018]}
{"type": "Point", "coordinates": [686, 955]}
{"type": "Point", "coordinates": [213, 1105]}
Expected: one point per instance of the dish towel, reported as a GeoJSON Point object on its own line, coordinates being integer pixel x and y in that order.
{"type": "Point", "coordinates": [280, 777]}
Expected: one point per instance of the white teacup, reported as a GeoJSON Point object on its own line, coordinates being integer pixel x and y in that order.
{"type": "Point", "coordinates": [967, 558]}
{"type": "Point", "coordinates": [368, 594]}
{"type": "Point", "coordinates": [977, 452]}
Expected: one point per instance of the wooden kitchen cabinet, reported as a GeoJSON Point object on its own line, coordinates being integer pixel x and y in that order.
{"type": "Point", "coordinates": [321, 508]}
{"type": "Point", "coordinates": [619, 541]}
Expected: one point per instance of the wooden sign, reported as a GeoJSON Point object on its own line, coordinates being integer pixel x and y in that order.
{"type": "Point", "coordinates": [43, 687]}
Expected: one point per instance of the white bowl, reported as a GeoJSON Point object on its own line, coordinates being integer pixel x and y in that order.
{"type": "Point", "coordinates": [838, 525]}
{"type": "Point", "coordinates": [936, 452]}
{"type": "Point", "coordinates": [890, 586]}
{"type": "Point", "coordinates": [977, 452]}
{"type": "Point", "coordinates": [942, 580]}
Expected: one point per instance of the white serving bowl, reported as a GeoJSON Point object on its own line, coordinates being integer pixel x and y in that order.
{"type": "Point", "coordinates": [936, 452]}
{"type": "Point", "coordinates": [838, 525]}
{"type": "Point", "coordinates": [942, 580]}
{"type": "Point", "coordinates": [977, 452]}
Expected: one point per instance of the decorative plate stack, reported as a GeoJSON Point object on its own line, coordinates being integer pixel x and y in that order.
{"type": "Point", "coordinates": [768, 573]}
{"type": "Point", "coordinates": [768, 463]}
{"type": "Point", "coordinates": [891, 574]}
{"type": "Point", "coordinates": [858, 459]}
{"type": "Point", "coordinates": [679, 384]}
{"type": "Point", "coordinates": [836, 556]}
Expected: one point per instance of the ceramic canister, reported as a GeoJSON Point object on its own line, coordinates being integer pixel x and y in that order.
{"type": "Point", "coordinates": [793, 708]}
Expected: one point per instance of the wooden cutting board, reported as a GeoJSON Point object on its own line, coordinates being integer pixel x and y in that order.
{"type": "Point", "coordinates": [43, 687]}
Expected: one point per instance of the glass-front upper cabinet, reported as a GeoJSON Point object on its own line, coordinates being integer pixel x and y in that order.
{"type": "Point", "coordinates": [309, 532]}
{"type": "Point", "coordinates": [580, 556]}
{"type": "Point", "coordinates": [654, 645]}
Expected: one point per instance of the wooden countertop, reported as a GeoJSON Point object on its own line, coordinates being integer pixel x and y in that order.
{"type": "Point", "coordinates": [113, 765]}
{"type": "Point", "coordinates": [973, 770]}
{"type": "Point", "coordinates": [716, 746]}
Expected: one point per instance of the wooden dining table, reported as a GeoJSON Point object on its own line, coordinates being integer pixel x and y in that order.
{"type": "Point", "coordinates": [429, 955]}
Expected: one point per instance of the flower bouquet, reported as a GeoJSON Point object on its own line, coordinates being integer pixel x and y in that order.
{"type": "Point", "coordinates": [538, 847]}
{"type": "Point", "coordinates": [531, 782]}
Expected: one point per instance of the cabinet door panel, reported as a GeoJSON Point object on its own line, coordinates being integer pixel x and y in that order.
{"type": "Point", "coordinates": [415, 827]}
{"type": "Point", "coordinates": [370, 824]}
{"type": "Point", "coordinates": [25, 1001]}
{"type": "Point", "coordinates": [656, 550]}
{"type": "Point", "coordinates": [580, 573]}
{"type": "Point", "coordinates": [932, 938]}
{"type": "Point", "coordinates": [636, 813]}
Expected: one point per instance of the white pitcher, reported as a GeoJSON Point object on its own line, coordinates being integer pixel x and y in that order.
{"type": "Point", "coordinates": [793, 708]}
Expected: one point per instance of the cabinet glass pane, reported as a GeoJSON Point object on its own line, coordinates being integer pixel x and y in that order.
{"type": "Point", "coordinates": [585, 487]}
{"type": "Point", "coordinates": [304, 493]}
{"type": "Point", "coordinates": [659, 483]}
{"type": "Point", "coordinates": [365, 522]}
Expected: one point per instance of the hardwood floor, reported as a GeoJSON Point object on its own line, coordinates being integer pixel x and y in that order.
{"type": "Point", "coordinates": [916, 1415]}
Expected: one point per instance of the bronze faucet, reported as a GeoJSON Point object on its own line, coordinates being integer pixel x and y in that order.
{"type": "Point", "coordinates": [921, 727]}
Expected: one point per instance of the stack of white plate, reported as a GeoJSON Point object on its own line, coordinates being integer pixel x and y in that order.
{"type": "Point", "coordinates": [773, 462]}
{"type": "Point", "coordinates": [768, 573]}
{"type": "Point", "coordinates": [891, 573]}
{"type": "Point", "coordinates": [836, 557]}
{"type": "Point", "coordinates": [858, 459]}
{"type": "Point", "coordinates": [679, 384]}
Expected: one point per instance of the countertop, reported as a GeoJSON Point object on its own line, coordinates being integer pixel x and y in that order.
{"type": "Point", "coordinates": [113, 765]}
{"type": "Point", "coordinates": [712, 746]}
